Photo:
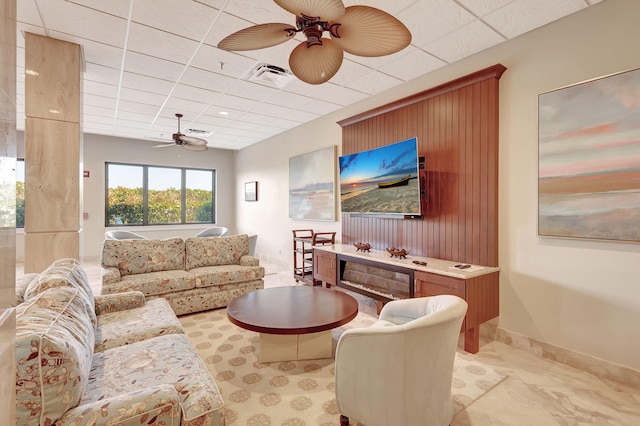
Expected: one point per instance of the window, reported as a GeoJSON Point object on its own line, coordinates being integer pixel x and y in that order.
{"type": "Point", "coordinates": [20, 193]}
{"type": "Point", "coordinates": [154, 195]}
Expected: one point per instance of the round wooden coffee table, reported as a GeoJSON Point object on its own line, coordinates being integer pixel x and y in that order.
{"type": "Point", "coordinates": [294, 322]}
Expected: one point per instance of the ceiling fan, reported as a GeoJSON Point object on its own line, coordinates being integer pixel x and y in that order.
{"type": "Point", "coordinates": [359, 30]}
{"type": "Point", "coordinates": [187, 142]}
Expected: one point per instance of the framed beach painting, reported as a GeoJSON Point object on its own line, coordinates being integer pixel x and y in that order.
{"type": "Point", "coordinates": [589, 159]}
{"type": "Point", "coordinates": [312, 185]}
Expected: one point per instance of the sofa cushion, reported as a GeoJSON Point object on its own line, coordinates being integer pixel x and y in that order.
{"type": "Point", "coordinates": [142, 256]}
{"type": "Point", "coordinates": [155, 318]}
{"type": "Point", "coordinates": [228, 274]}
{"type": "Point", "coordinates": [165, 359]}
{"type": "Point", "coordinates": [54, 348]}
{"type": "Point", "coordinates": [64, 273]}
{"type": "Point", "coordinates": [22, 283]}
{"type": "Point", "coordinates": [215, 251]}
{"type": "Point", "coordinates": [153, 283]}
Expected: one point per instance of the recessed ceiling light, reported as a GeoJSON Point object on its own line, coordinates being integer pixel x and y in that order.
{"type": "Point", "coordinates": [54, 111]}
{"type": "Point", "coordinates": [223, 113]}
{"type": "Point", "coordinates": [31, 72]}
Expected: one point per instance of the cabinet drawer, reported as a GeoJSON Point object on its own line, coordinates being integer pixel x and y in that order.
{"type": "Point", "coordinates": [432, 285]}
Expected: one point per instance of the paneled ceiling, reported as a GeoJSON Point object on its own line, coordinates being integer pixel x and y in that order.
{"type": "Point", "coordinates": [146, 60]}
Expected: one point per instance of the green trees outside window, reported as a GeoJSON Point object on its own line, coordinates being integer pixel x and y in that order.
{"type": "Point", "coordinates": [151, 195]}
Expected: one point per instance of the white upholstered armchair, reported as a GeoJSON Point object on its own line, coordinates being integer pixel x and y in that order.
{"type": "Point", "coordinates": [399, 370]}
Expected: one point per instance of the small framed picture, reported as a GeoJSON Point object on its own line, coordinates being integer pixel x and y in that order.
{"type": "Point", "coordinates": [251, 191]}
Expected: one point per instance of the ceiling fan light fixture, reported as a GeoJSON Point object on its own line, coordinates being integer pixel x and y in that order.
{"type": "Point", "coordinates": [316, 64]}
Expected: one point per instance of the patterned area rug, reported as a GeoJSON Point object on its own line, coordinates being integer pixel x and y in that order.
{"type": "Point", "coordinates": [294, 393]}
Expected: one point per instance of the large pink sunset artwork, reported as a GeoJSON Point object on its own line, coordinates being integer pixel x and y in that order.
{"type": "Point", "coordinates": [589, 159]}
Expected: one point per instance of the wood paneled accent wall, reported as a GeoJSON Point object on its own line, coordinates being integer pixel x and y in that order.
{"type": "Point", "coordinates": [457, 129]}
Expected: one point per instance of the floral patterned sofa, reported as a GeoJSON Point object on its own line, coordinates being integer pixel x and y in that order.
{"type": "Point", "coordinates": [113, 359]}
{"type": "Point", "coordinates": [193, 275]}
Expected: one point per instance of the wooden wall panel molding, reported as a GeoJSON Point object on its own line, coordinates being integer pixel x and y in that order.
{"type": "Point", "coordinates": [494, 71]}
{"type": "Point", "coordinates": [457, 129]}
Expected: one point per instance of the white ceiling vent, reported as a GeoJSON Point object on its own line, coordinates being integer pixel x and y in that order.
{"type": "Point", "coordinates": [270, 74]}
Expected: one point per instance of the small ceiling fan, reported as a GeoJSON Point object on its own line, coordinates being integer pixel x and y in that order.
{"type": "Point", "coordinates": [359, 30]}
{"type": "Point", "coordinates": [187, 142]}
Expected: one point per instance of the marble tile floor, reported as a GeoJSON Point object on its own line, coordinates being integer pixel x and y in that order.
{"type": "Point", "coordinates": [537, 392]}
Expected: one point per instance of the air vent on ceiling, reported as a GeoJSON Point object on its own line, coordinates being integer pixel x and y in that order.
{"type": "Point", "coordinates": [198, 133]}
{"type": "Point", "coordinates": [270, 74]}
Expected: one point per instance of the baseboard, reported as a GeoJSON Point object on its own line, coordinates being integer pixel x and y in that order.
{"type": "Point", "coordinates": [596, 366]}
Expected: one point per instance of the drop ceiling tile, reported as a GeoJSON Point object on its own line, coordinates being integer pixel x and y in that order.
{"type": "Point", "coordinates": [160, 44]}
{"type": "Point", "coordinates": [141, 96]}
{"type": "Point", "coordinates": [211, 121]}
{"type": "Point", "coordinates": [196, 77]}
{"type": "Point", "coordinates": [430, 20]}
{"type": "Point", "coordinates": [192, 108]}
{"type": "Point", "coordinates": [256, 118]}
{"type": "Point", "coordinates": [374, 82]}
{"type": "Point", "coordinates": [523, 15]}
{"type": "Point", "coordinates": [84, 23]}
{"type": "Point", "coordinates": [328, 92]}
{"type": "Point", "coordinates": [101, 74]}
{"type": "Point", "coordinates": [90, 119]}
{"type": "Point", "coordinates": [288, 99]}
{"type": "Point", "coordinates": [98, 101]}
{"type": "Point", "coordinates": [248, 90]}
{"type": "Point", "coordinates": [210, 58]}
{"type": "Point", "coordinates": [96, 53]}
{"type": "Point", "coordinates": [349, 71]}
{"type": "Point", "coordinates": [136, 116]}
{"type": "Point", "coordinates": [413, 64]}
{"type": "Point", "coordinates": [148, 84]}
{"type": "Point", "coordinates": [190, 20]}
{"type": "Point", "coordinates": [134, 106]}
{"type": "Point", "coordinates": [481, 8]}
{"type": "Point", "coordinates": [243, 125]}
{"type": "Point", "coordinates": [197, 94]}
{"type": "Point", "coordinates": [119, 8]}
{"type": "Point", "coordinates": [98, 111]}
{"type": "Point", "coordinates": [319, 107]}
{"type": "Point", "coordinates": [142, 64]}
{"type": "Point", "coordinates": [28, 13]}
{"type": "Point", "coordinates": [289, 114]}
{"type": "Point", "coordinates": [259, 12]}
{"type": "Point", "coordinates": [100, 89]}
{"type": "Point", "coordinates": [464, 42]}
{"type": "Point", "coordinates": [229, 102]}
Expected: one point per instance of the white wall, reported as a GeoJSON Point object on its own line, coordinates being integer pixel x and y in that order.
{"type": "Point", "coordinates": [581, 295]}
{"type": "Point", "coordinates": [100, 149]}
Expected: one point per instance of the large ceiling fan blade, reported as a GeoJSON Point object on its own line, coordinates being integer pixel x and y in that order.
{"type": "Point", "coordinates": [190, 140]}
{"type": "Point", "coordinates": [164, 145]}
{"type": "Point", "coordinates": [192, 147]}
{"type": "Point", "coordinates": [367, 31]}
{"type": "Point", "coordinates": [316, 64]}
{"type": "Point", "coordinates": [326, 10]}
{"type": "Point", "coordinates": [258, 37]}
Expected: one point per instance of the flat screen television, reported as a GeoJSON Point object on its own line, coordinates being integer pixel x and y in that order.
{"type": "Point", "coordinates": [382, 180]}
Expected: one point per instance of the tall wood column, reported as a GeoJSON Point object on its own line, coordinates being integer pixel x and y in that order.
{"type": "Point", "coordinates": [53, 151]}
{"type": "Point", "coordinates": [7, 210]}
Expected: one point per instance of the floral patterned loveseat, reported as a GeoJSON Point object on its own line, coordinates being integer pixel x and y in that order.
{"type": "Point", "coordinates": [193, 275]}
{"type": "Point", "coordinates": [105, 360]}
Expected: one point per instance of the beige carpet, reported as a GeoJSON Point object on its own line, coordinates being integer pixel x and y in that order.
{"type": "Point", "coordinates": [294, 393]}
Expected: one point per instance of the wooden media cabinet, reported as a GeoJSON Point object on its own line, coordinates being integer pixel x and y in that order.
{"type": "Point", "coordinates": [478, 285]}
